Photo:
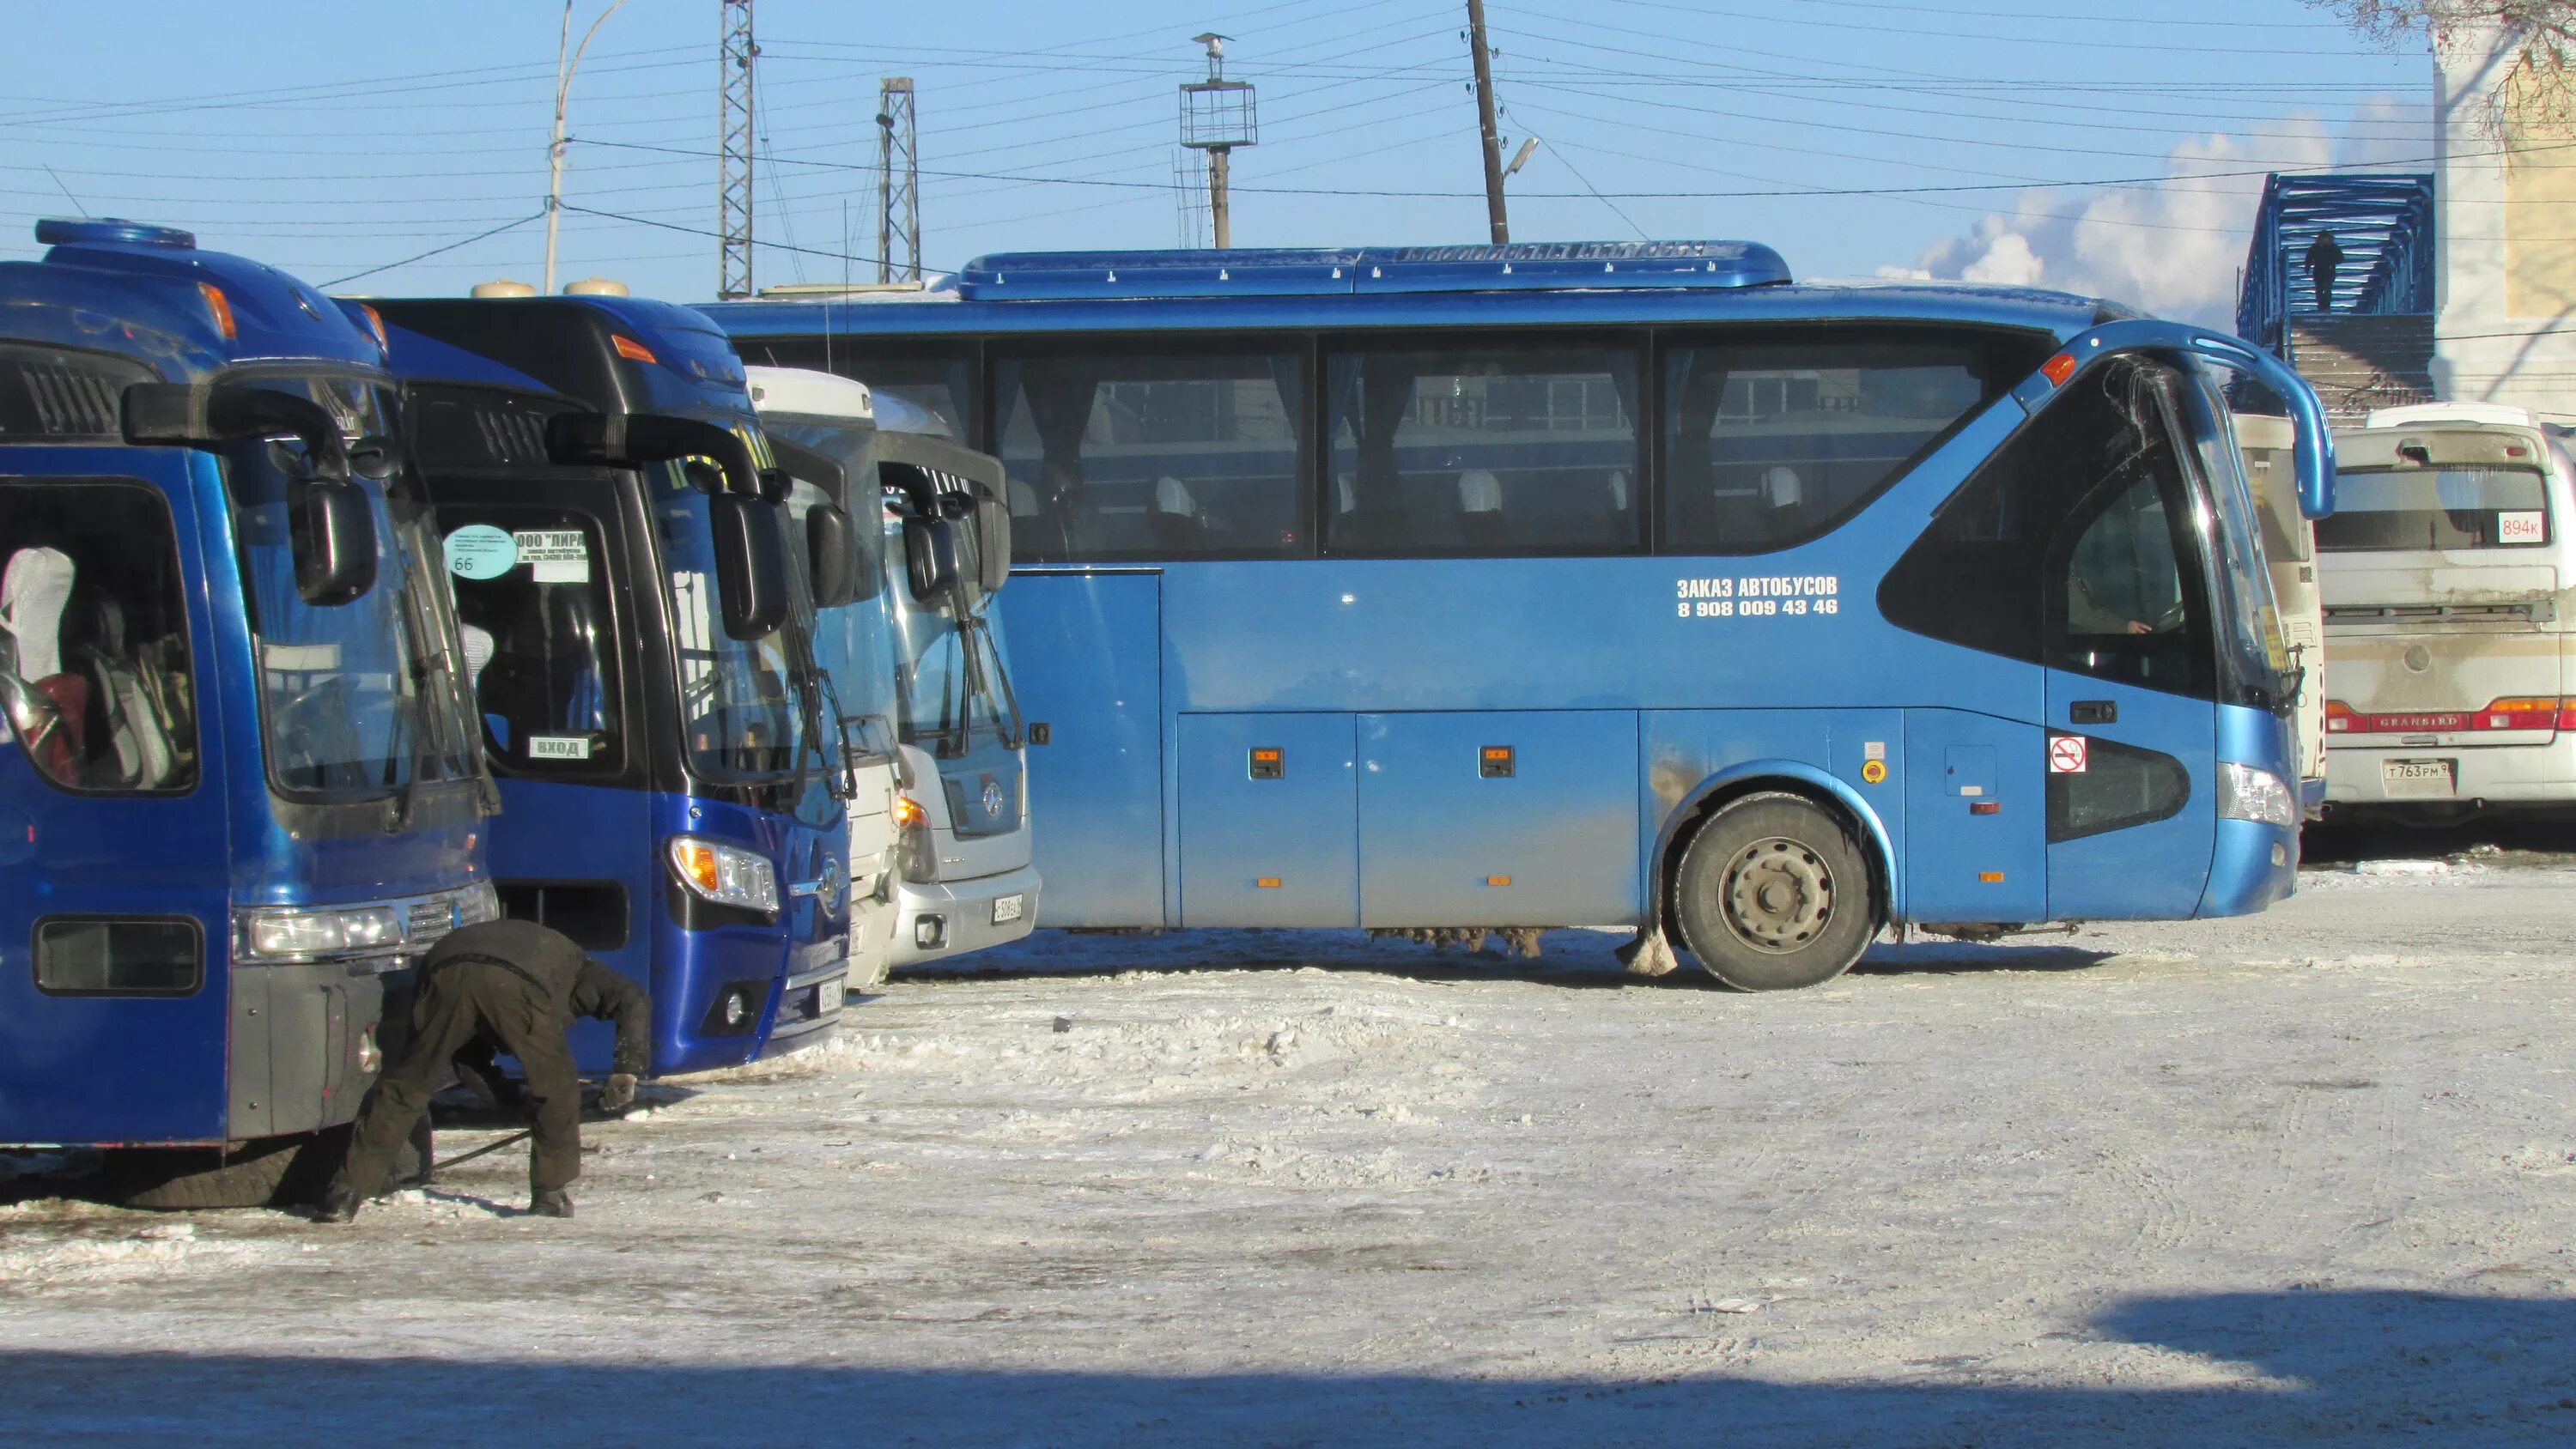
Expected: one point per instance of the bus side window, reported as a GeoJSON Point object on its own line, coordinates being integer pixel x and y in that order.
{"type": "Point", "coordinates": [1770, 441]}
{"type": "Point", "coordinates": [2071, 547]}
{"type": "Point", "coordinates": [94, 636]}
{"type": "Point", "coordinates": [1486, 449]}
{"type": "Point", "coordinates": [1154, 454]}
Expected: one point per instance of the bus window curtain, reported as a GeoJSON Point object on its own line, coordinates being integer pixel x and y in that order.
{"type": "Point", "coordinates": [1383, 391]}
{"type": "Point", "coordinates": [1690, 473]}
{"type": "Point", "coordinates": [1060, 399]}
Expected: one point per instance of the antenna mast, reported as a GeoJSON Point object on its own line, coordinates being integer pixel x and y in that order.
{"type": "Point", "coordinates": [1218, 115]}
{"type": "Point", "coordinates": [898, 182]}
{"type": "Point", "coordinates": [733, 178]}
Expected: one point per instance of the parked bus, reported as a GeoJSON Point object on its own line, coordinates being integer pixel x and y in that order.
{"type": "Point", "coordinates": [1461, 589]}
{"type": "Point", "coordinates": [2290, 555]}
{"type": "Point", "coordinates": [239, 796]}
{"type": "Point", "coordinates": [957, 874]}
{"type": "Point", "coordinates": [2447, 577]}
{"type": "Point", "coordinates": [641, 669]}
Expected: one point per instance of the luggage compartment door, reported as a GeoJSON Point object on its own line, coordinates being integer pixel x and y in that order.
{"type": "Point", "coordinates": [1498, 818]}
{"type": "Point", "coordinates": [1269, 821]}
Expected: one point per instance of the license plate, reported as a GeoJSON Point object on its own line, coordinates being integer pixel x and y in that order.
{"type": "Point", "coordinates": [827, 997]}
{"type": "Point", "coordinates": [1007, 910]}
{"type": "Point", "coordinates": [2419, 779]}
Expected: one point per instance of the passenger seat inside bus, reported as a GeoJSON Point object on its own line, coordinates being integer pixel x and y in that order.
{"type": "Point", "coordinates": [1174, 516]}
{"type": "Point", "coordinates": [1480, 510]}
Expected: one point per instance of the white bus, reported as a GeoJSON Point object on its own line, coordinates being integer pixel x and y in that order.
{"type": "Point", "coordinates": [2447, 568]}
{"type": "Point", "coordinates": [943, 841]}
{"type": "Point", "coordinates": [2290, 552]}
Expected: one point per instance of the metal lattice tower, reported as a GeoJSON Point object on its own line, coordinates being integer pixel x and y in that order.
{"type": "Point", "coordinates": [898, 183]}
{"type": "Point", "coordinates": [733, 178]}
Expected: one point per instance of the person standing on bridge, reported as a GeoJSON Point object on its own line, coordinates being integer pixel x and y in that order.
{"type": "Point", "coordinates": [514, 986]}
{"type": "Point", "coordinates": [2323, 257]}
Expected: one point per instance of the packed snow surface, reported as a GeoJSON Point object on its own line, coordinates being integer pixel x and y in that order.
{"type": "Point", "coordinates": [2310, 1176]}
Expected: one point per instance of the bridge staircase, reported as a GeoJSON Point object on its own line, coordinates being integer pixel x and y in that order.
{"type": "Point", "coordinates": [2368, 341]}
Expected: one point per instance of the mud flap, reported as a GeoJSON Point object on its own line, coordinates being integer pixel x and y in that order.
{"type": "Point", "coordinates": [1648, 955]}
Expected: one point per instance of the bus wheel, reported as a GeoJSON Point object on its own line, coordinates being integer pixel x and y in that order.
{"type": "Point", "coordinates": [1774, 894]}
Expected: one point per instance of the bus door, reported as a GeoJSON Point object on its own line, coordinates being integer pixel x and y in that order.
{"type": "Point", "coordinates": [2128, 646]}
{"type": "Point", "coordinates": [538, 604]}
{"type": "Point", "coordinates": [1087, 663]}
{"type": "Point", "coordinates": [112, 821]}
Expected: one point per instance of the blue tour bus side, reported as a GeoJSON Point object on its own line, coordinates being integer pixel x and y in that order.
{"type": "Point", "coordinates": [1474, 586]}
{"type": "Point", "coordinates": [669, 805]}
{"type": "Point", "coordinates": [237, 794]}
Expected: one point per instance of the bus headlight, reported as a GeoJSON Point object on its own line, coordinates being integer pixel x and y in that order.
{"type": "Point", "coordinates": [2246, 793]}
{"type": "Point", "coordinates": [478, 903]}
{"type": "Point", "coordinates": [725, 874]}
{"type": "Point", "coordinates": [300, 935]}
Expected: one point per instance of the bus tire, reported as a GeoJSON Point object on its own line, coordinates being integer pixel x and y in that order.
{"type": "Point", "coordinates": [1773, 893]}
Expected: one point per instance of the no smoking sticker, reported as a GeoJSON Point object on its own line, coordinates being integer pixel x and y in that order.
{"type": "Point", "coordinates": [2066, 755]}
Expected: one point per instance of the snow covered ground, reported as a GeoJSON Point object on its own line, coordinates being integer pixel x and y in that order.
{"type": "Point", "coordinates": [2310, 1176]}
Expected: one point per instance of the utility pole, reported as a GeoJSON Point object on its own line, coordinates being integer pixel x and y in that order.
{"type": "Point", "coordinates": [733, 176]}
{"type": "Point", "coordinates": [1485, 121]}
{"type": "Point", "coordinates": [1218, 115]}
{"type": "Point", "coordinates": [564, 67]}
{"type": "Point", "coordinates": [898, 196]}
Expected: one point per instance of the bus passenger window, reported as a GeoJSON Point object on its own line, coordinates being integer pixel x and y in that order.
{"type": "Point", "coordinates": [1494, 449]}
{"type": "Point", "coordinates": [1154, 455]}
{"type": "Point", "coordinates": [1771, 441]}
{"type": "Point", "coordinates": [94, 666]}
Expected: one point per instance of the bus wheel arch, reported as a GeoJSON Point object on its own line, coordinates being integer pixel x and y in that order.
{"type": "Point", "coordinates": [1820, 839]}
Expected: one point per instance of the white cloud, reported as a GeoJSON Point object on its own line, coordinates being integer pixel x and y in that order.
{"type": "Point", "coordinates": [2169, 250]}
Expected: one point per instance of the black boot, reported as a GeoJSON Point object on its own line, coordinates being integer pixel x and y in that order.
{"type": "Point", "coordinates": [554, 1202]}
{"type": "Point", "coordinates": [339, 1204]}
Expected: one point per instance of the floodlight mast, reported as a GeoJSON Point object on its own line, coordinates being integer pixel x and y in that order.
{"type": "Point", "coordinates": [1218, 115]}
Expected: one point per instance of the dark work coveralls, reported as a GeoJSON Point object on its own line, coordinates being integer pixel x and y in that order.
{"type": "Point", "coordinates": [513, 986]}
{"type": "Point", "coordinates": [2323, 258]}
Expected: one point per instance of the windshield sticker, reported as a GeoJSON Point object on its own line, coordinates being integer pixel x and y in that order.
{"type": "Point", "coordinates": [1758, 596]}
{"type": "Point", "coordinates": [558, 747]}
{"type": "Point", "coordinates": [480, 551]}
{"type": "Point", "coordinates": [555, 556]}
{"type": "Point", "coordinates": [2521, 527]}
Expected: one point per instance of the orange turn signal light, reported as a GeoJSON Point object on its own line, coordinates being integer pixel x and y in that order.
{"type": "Point", "coordinates": [698, 863]}
{"type": "Point", "coordinates": [630, 349]}
{"type": "Point", "coordinates": [1268, 882]}
{"type": "Point", "coordinates": [1498, 880]}
{"type": "Point", "coordinates": [1990, 877]}
{"type": "Point", "coordinates": [220, 307]}
{"type": "Point", "coordinates": [908, 814]}
{"type": "Point", "coordinates": [2058, 369]}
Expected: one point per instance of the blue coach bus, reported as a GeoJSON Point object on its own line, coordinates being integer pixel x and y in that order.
{"type": "Point", "coordinates": [639, 657]}
{"type": "Point", "coordinates": [1465, 589]}
{"type": "Point", "coordinates": [237, 792]}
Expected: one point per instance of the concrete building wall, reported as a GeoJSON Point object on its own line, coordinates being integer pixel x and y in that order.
{"type": "Point", "coordinates": [2505, 221]}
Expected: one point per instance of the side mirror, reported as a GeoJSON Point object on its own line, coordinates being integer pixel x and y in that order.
{"type": "Point", "coordinates": [751, 564]}
{"type": "Point", "coordinates": [831, 557]}
{"type": "Point", "coordinates": [992, 538]}
{"type": "Point", "coordinates": [372, 457]}
{"type": "Point", "coordinates": [930, 557]}
{"type": "Point", "coordinates": [332, 528]}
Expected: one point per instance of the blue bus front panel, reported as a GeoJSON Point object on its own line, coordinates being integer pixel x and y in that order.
{"type": "Point", "coordinates": [2253, 863]}
{"type": "Point", "coordinates": [1086, 662]}
{"type": "Point", "coordinates": [1973, 846]}
{"type": "Point", "coordinates": [2132, 800]}
{"type": "Point", "coordinates": [1269, 817]}
{"type": "Point", "coordinates": [1506, 817]}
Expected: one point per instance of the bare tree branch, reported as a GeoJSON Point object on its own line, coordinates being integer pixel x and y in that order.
{"type": "Point", "coordinates": [2537, 101]}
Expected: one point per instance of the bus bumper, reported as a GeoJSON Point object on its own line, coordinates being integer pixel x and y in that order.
{"type": "Point", "coordinates": [2534, 774]}
{"type": "Point", "coordinates": [808, 1007]}
{"type": "Point", "coordinates": [938, 919]}
{"type": "Point", "coordinates": [2253, 866]}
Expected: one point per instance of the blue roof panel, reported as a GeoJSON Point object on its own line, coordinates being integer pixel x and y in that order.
{"type": "Point", "coordinates": [1346, 271]}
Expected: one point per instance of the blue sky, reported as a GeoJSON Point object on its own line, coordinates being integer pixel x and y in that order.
{"type": "Point", "coordinates": [335, 140]}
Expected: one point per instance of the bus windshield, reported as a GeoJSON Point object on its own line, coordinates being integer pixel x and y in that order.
{"type": "Point", "coordinates": [949, 679]}
{"type": "Point", "coordinates": [359, 699]}
{"type": "Point", "coordinates": [739, 712]}
{"type": "Point", "coordinates": [2252, 619]}
{"type": "Point", "coordinates": [2436, 508]}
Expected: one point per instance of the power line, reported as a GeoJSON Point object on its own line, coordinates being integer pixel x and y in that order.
{"type": "Point", "coordinates": [439, 250]}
